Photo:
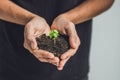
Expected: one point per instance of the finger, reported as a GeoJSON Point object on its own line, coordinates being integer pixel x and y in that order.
{"type": "Point", "coordinates": [30, 37]}
{"type": "Point", "coordinates": [68, 54]}
{"type": "Point", "coordinates": [26, 46]}
{"type": "Point", "coordinates": [62, 64]}
{"type": "Point", "coordinates": [72, 35]}
{"type": "Point", "coordinates": [38, 52]}
{"type": "Point", "coordinates": [42, 60]}
{"type": "Point", "coordinates": [57, 60]}
{"type": "Point", "coordinates": [54, 61]}
{"type": "Point", "coordinates": [43, 53]}
{"type": "Point", "coordinates": [31, 41]}
{"type": "Point", "coordinates": [37, 34]}
{"type": "Point", "coordinates": [34, 44]}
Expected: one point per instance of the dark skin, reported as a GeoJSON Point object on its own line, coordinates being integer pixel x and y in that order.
{"type": "Point", "coordinates": [64, 23]}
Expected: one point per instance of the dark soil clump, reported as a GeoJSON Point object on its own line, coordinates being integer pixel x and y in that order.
{"type": "Point", "coordinates": [57, 47]}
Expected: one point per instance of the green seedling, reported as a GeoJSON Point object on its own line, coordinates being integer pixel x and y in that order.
{"type": "Point", "coordinates": [53, 35]}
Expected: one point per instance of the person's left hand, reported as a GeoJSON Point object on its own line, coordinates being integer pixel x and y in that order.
{"type": "Point", "coordinates": [66, 27]}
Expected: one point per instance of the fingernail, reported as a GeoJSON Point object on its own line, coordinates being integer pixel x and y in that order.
{"type": "Point", "coordinates": [60, 68]}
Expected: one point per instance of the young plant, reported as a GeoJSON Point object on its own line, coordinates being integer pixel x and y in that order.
{"type": "Point", "coordinates": [53, 35]}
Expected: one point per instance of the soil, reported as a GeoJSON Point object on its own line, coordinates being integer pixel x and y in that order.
{"type": "Point", "coordinates": [57, 46]}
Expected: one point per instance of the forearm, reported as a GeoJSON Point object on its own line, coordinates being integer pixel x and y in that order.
{"type": "Point", "coordinates": [88, 10]}
{"type": "Point", "coordinates": [13, 13]}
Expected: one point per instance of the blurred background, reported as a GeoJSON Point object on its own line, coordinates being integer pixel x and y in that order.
{"type": "Point", "coordinates": [105, 47]}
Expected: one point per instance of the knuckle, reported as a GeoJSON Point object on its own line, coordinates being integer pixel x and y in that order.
{"type": "Point", "coordinates": [38, 55]}
{"type": "Point", "coordinates": [29, 37]}
{"type": "Point", "coordinates": [24, 45]}
{"type": "Point", "coordinates": [41, 60]}
{"type": "Point", "coordinates": [28, 25]}
{"type": "Point", "coordinates": [42, 19]}
{"type": "Point", "coordinates": [71, 25]}
{"type": "Point", "coordinates": [68, 24]}
{"type": "Point", "coordinates": [47, 54]}
{"type": "Point", "coordinates": [79, 42]}
{"type": "Point", "coordinates": [34, 51]}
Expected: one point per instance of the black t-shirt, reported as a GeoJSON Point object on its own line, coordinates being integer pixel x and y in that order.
{"type": "Point", "coordinates": [16, 63]}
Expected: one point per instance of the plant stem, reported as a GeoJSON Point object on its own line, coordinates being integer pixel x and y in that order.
{"type": "Point", "coordinates": [54, 40]}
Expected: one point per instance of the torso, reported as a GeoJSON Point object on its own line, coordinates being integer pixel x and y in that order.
{"type": "Point", "coordinates": [19, 64]}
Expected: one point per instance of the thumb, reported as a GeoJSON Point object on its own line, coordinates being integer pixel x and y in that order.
{"type": "Point", "coordinates": [72, 37]}
{"type": "Point", "coordinates": [72, 41]}
{"type": "Point", "coordinates": [53, 27]}
{"type": "Point", "coordinates": [29, 35]}
{"type": "Point", "coordinates": [33, 44]}
{"type": "Point", "coordinates": [31, 41]}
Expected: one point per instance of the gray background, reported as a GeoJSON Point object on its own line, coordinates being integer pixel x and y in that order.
{"type": "Point", "coordinates": [105, 48]}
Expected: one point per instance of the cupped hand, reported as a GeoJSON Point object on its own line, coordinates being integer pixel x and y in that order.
{"type": "Point", "coordinates": [66, 27]}
{"type": "Point", "coordinates": [36, 27]}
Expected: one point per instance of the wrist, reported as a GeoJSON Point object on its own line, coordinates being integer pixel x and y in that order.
{"type": "Point", "coordinates": [29, 18]}
{"type": "Point", "coordinates": [70, 17]}
{"type": "Point", "coordinates": [65, 17]}
{"type": "Point", "coordinates": [32, 17]}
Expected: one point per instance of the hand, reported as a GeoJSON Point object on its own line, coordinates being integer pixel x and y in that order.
{"type": "Point", "coordinates": [66, 27]}
{"type": "Point", "coordinates": [36, 27]}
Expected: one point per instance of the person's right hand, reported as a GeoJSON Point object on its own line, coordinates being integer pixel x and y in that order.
{"type": "Point", "coordinates": [36, 27]}
{"type": "Point", "coordinates": [66, 27]}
